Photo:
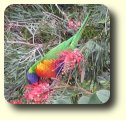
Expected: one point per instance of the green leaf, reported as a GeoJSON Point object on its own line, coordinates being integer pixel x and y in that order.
{"type": "Point", "coordinates": [94, 100]}
{"type": "Point", "coordinates": [103, 95]}
{"type": "Point", "coordinates": [65, 100]}
{"type": "Point", "coordinates": [83, 100]}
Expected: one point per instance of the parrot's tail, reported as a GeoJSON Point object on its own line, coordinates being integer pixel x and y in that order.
{"type": "Point", "coordinates": [78, 35]}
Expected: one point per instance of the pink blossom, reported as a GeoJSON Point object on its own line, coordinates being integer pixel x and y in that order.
{"type": "Point", "coordinates": [71, 58]}
{"type": "Point", "coordinates": [37, 93]}
{"type": "Point", "coordinates": [16, 102]}
{"type": "Point", "coordinates": [74, 25]}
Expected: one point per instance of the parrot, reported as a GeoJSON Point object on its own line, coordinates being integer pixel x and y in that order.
{"type": "Point", "coordinates": [53, 62]}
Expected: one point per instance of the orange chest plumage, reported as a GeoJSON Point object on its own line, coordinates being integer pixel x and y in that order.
{"type": "Point", "coordinates": [46, 69]}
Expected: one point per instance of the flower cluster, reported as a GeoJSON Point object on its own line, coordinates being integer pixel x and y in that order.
{"type": "Point", "coordinates": [37, 93]}
{"type": "Point", "coordinates": [74, 25]}
{"type": "Point", "coordinates": [71, 58]}
{"type": "Point", "coordinates": [16, 102]}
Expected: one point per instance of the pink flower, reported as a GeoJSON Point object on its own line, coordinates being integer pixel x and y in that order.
{"type": "Point", "coordinates": [71, 58]}
{"type": "Point", "coordinates": [16, 102]}
{"type": "Point", "coordinates": [74, 25]}
{"type": "Point", "coordinates": [37, 93]}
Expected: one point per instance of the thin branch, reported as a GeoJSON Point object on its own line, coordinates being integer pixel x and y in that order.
{"type": "Point", "coordinates": [62, 12]}
{"type": "Point", "coordinates": [53, 15]}
{"type": "Point", "coordinates": [24, 43]}
{"type": "Point", "coordinates": [106, 21]}
{"type": "Point", "coordinates": [74, 87]}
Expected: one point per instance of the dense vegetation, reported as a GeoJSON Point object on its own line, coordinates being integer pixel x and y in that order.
{"type": "Point", "coordinates": [32, 30]}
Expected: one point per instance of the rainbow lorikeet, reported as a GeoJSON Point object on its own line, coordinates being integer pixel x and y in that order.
{"type": "Point", "coordinates": [55, 61]}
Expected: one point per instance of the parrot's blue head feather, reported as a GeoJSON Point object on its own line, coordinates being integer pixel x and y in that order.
{"type": "Point", "coordinates": [32, 78]}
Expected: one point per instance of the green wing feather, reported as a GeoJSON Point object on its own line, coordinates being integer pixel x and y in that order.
{"type": "Point", "coordinates": [68, 44]}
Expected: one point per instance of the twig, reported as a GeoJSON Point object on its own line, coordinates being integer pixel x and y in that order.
{"type": "Point", "coordinates": [66, 84]}
{"type": "Point", "coordinates": [63, 13]}
{"type": "Point", "coordinates": [24, 43]}
{"type": "Point", "coordinates": [106, 22]}
{"type": "Point", "coordinates": [74, 87]}
{"type": "Point", "coordinates": [25, 20]}
{"type": "Point", "coordinates": [53, 15]}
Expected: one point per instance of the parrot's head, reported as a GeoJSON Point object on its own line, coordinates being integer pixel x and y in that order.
{"type": "Point", "coordinates": [32, 78]}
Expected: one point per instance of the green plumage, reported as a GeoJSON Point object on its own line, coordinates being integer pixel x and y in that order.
{"type": "Point", "coordinates": [68, 44]}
